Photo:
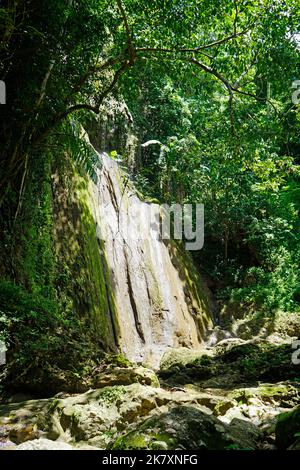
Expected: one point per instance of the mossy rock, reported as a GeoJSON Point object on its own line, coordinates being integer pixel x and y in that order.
{"type": "Point", "coordinates": [184, 427]}
{"type": "Point", "coordinates": [118, 360]}
{"type": "Point", "coordinates": [281, 394]}
{"type": "Point", "coordinates": [179, 357]}
{"type": "Point", "coordinates": [284, 394]}
{"type": "Point", "coordinates": [232, 363]}
{"type": "Point", "coordinates": [288, 428]}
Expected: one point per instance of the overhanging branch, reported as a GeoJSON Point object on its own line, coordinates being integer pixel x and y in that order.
{"type": "Point", "coordinates": [131, 48]}
{"type": "Point", "coordinates": [83, 106]}
{"type": "Point", "coordinates": [196, 50]}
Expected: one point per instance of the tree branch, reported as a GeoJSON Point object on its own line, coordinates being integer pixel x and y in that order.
{"type": "Point", "coordinates": [80, 106]}
{"type": "Point", "coordinates": [230, 88]}
{"type": "Point", "coordinates": [198, 49]}
{"type": "Point", "coordinates": [236, 16]}
{"type": "Point", "coordinates": [91, 70]}
{"type": "Point", "coordinates": [214, 72]}
{"type": "Point", "coordinates": [257, 98]}
{"type": "Point", "coordinates": [162, 49]}
{"type": "Point", "coordinates": [222, 41]}
{"type": "Point", "coordinates": [131, 48]}
{"type": "Point", "coordinates": [243, 74]}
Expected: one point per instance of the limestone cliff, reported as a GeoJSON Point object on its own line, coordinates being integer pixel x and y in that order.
{"type": "Point", "coordinates": [151, 297]}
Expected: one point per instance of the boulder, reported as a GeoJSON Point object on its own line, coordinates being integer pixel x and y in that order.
{"type": "Point", "coordinates": [96, 416]}
{"type": "Point", "coordinates": [287, 429]}
{"type": "Point", "coordinates": [217, 335]}
{"type": "Point", "coordinates": [180, 357]}
{"type": "Point", "coordinates": [113, 375]}
{"type": "Point", "coordinates": [187, 427]}
{"type": "Point", "coordinates": [246, 432]}
{"type": "Point", "coordinates": [230, 363]}
{"type": "Point", "coordinates": [44, 444]}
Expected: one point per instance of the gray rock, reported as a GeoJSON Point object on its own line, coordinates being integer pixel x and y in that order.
{"type": "Point", "coordinates": [44, 444]}
{"type": "Point", "coordinates": [191, 429]}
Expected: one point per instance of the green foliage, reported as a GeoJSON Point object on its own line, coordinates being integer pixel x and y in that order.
{"type": "Point", "coordinates": [76, 145]}
{"type": "Point", "coordinates": [34, 258]}
{"type": "Point", "coordinates": [239, 154]}
{"type": "Point", "coordinates": [112, 394]}
{"type": "Point", "coordinates": [27, 321]}
{"type": "Point", "coordinates": [241, 162]}
{"type": "Point", "coordinates": [273, 288]}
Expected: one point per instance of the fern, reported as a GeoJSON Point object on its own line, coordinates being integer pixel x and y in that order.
{"type": "Point", "coordinates": [79, 148]}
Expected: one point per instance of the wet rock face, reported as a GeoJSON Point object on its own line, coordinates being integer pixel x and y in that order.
{"type": "Point", "coordinates": [157, 292]}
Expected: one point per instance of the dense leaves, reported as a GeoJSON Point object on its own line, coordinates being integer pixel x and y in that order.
{"type": "Point", "coordinates": [210, 81]}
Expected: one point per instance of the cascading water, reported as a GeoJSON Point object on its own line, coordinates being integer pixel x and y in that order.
{"type": "Point", "coordinates": [157, 291]}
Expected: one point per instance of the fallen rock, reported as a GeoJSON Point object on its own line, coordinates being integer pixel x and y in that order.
{"type": "Point", "coordinates": [218, 335]}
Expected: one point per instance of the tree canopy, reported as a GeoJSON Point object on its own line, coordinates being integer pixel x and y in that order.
{"type": "Point", "coordinates": [211, 81]}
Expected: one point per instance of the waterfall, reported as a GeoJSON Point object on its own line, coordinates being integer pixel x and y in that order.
{"type": "Point", "coordinates": [157, 292]}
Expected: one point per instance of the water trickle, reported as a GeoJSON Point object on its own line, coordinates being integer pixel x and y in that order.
{"type": "Point", "coordinates": [157, 292]}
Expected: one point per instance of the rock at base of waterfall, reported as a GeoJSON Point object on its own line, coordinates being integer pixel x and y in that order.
{"type": "Point", "coordinates": [189, 428]}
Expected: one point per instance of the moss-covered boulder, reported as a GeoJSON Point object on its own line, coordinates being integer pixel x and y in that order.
{"type": "Point", "coordinates": [233, 362]}
{"type": "Point", "coordinates": [288, 428]}
{"type": "Point", "coordinates": [180, 357]}
{"type": "Point", "coordinates": [188, 428]}
{"type": "Point", "coordinates": [95, 417]}
{"type": "Point", "coordinates": [283, 394]}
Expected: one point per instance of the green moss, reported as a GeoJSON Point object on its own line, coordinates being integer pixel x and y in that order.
{"type": "Point", "coordinates": [85, 279]}
{"type": "Point", "coordinates": [204, 360]}
{"type": "Point", "coordinates": [273, 391]}
{"type": "Point", "coordinates": [163, 437]}
{"type": "Point", "coordinates": [112, 394]}
{"type": "Point", "coordinates": [118, 360]}
{"type": "Point", "coordinates": [287, 428]}
{"type": "Point", "coordinates": [53, 405]}
{"type": "Point", "coordinates": [139, 440]}
{"type": "Point", "coordinates": [132, 441]}
{"type": "Point", "coordinates": [224, 405]}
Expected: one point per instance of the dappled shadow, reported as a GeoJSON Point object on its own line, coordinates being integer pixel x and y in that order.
{"type": "Point", "coordinates": [247, 322]}
{"type": "Point", "coordinates": [85, 276]}
{"type": "Point", "coordinates": [194, 291]}
{"type": "Point", "coordinates": [245, 364]}
{"type": "Point", "coordinates": [184, 427]}
{"type": "Point", "coordinates": [17, 411]}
